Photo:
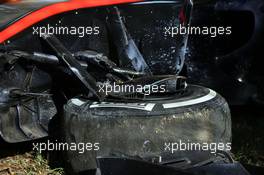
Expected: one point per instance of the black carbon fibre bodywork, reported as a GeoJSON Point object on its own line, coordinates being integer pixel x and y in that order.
{"type": "Point", "coordinates": [121, 166]}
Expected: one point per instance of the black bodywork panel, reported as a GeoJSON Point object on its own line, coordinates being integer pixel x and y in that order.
{"type": "Point", "coordinates": [121, 166]}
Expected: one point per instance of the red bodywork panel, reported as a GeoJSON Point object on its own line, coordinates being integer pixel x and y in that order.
{"type": "Point", "coordinates": [52, 10]}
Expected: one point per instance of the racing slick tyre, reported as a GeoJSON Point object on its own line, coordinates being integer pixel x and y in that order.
{"type": "Point", "coordinates": [152, 130]}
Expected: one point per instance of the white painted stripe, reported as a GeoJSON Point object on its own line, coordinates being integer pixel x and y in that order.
{"type": "Point", "coordinates": [77, 102]}
{"type": "Point", "coordinates": [212, 94]}
{"type": "Point", "coordinates": [147, 107]}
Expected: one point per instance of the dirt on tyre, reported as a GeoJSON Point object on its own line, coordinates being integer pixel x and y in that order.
{"type": "Point", "coordinates": [144, 129]}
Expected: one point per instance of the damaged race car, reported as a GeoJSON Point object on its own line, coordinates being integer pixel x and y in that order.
{"type": "Point", "coordinates": [115, 81]}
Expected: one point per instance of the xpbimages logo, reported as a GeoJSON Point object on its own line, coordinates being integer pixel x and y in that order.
{"type": "Point", "coordinates": [65, 30]}
{"type": "Point", "coordinates": [211, 31]}
{"type": "Point", "coordinates": [59, 146]}
{"type": "Point", "coordinates": [190, 146]}
{"type": "Point", "coordinates": [130, 88]}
